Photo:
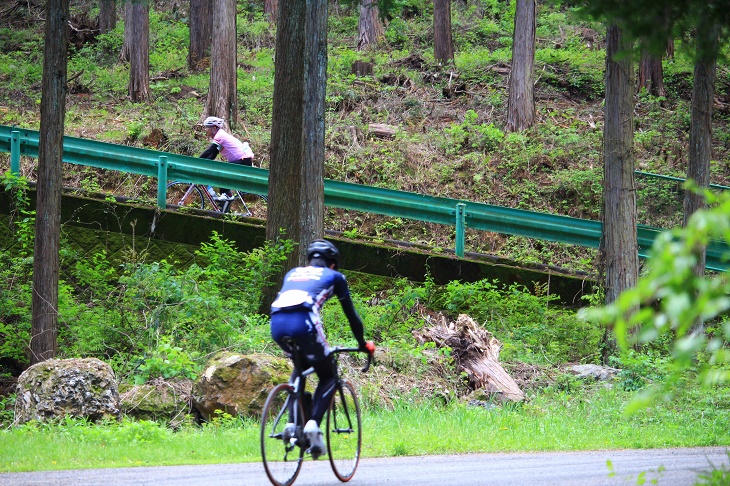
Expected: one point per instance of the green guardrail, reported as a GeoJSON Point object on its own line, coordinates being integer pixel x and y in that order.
{"type": "Point", "coordinates": [389, 202]}
{"type": "Point", "coordinates": [651, 175]}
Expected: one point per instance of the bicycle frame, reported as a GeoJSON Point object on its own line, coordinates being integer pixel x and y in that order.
{"type": "Point", "coordinates": [285, 413]}
{"type": "Point", "coordinates": [218, 206]}
{"type": "Point", "coordinates": [298, 381]}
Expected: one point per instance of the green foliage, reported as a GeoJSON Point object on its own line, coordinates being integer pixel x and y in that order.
{"type": "Point", "coordinates": [7, 409]}
{"type": "Point", "coordinates": [470, 135]}
{"type": "Point", "coordinates": [718, 476]}
{"type": "Point", "coordinates": [639, 370]}
{"type": "Point", "coordinates": [530, 329]}
{"type": "Point", "coordinates": [23, 218]}
{"type": "Point", "coordinates": [16, 267]}
{"type": "Point", "coordinates": [166, 361]}
{"type": "Point", "coordinates": [669, 300]}
{"type": "Point", "coordinates": [166, 37]}
{"type": "Point", "coordinates": [579, 189]}
{"type": "Point", "coordinates": [152, 319]}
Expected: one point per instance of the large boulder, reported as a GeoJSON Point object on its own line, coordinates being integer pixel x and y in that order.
{"type": "Point", "coordinates": [67, 387]}
{"type": "Point", "coordinates": [160, 399]}
{"type": "Point", "coordinates": [238, 384]}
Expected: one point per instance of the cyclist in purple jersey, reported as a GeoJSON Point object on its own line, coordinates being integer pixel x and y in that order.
{"type": "Point", "coordinates": [232, 149]}
{"type": "Point", "coordinates": [296, 313]}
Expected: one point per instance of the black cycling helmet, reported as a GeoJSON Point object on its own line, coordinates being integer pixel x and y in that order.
{"type": "Point", "coordinates": [324, 249]}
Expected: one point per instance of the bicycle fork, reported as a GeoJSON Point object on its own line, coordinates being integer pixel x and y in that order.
{"type": "Point", "coordinates": [346, 412]}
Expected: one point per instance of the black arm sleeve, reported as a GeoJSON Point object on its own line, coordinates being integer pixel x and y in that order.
{"type": "Point", "coordinates": [354, 319]}
{"type": "Point", "coordinates": [211, 152]}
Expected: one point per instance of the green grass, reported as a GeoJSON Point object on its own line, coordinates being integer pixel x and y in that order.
{"type": "Point", "coordinates": [552, 421]}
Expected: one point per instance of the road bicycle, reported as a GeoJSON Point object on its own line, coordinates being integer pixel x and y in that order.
{"type": "Point", "coordinates": [198, 196]}
{"type": "Point", "coordinates": [287, 408]}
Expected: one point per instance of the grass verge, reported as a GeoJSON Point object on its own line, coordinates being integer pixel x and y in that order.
{"type": "Point", "coordinates": [552, 421]}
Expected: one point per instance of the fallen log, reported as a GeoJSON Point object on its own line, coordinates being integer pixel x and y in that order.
{"type": "Point", "coordinates": [381, 130]}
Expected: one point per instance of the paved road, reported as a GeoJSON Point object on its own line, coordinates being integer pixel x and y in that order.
{"type": "Point", "coordinates": [675, 467]}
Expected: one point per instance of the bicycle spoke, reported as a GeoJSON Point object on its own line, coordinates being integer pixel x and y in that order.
{"type": "Point", "coordinates": [282, 457]}
{"type": "Point", "coordinates": [245, 204]}
{"type": "Point", "coordinates": [344, 434]}
{"type": "Point", "coordinates": [238, 206]}
{"type": "Point", "coordinates": [185, 195]}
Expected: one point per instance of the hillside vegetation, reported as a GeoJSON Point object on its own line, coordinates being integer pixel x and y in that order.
{"type": "Point", "coordinates": [153, 321]}
{"type": "Point", "coordinates": [450, 138]}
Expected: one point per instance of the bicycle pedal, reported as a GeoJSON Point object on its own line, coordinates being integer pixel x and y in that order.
{"type": "Point", "coordinates": [315, 452]}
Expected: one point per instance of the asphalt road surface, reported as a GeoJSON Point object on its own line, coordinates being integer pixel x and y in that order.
{"type": "Point", "coordinates": [676, 467]}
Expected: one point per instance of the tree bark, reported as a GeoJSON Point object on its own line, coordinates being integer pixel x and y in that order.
{"type": "Point", "coordinates": [296, 173]}
{"type": "Point", "coordinates": [369, 26]}
{"type": "Point", "coordinates": [271, 10]}
{"type": "Point", "coordinates": [44, 311]}
{"type": "Point", "coordinates": [521, 101]}
{"type": "Point", "coordinates": [124, 55]}
{"type": "Point", "coordinates": [107, 16]}
{"type": "Point", "coordinates": [139, 52]}
{"type": "Point", "coordinates": [443, 44]}
{"type": "Point", "coordinates": [700, 134]}
{"type": "Point", "coordinates": [620, 247]}
{"type": "Point", "coordinates": [651, 74]}
{"type": "Point", "coordinates": [222, 98]}
{"type": "Point", "coordinates": [201, 14]}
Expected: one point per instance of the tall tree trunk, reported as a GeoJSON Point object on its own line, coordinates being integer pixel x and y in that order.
{"type": "Point", "coordinates": [443, 44]}
{"type": "Point", "coordinates": [107, 16]}
{"type": "Point", "coordinates": [296, 174]}
{"type": "Point", "coordinates": [369, 26]}
{"type": "Point", "coordinates": [44, 311]}
{"type": "Point", "coordinates": [139, 53]}
{"type": "Point", "coordinates": [651, 71]}
{"type": "Point", "coordinates": [651, 74]}
{"type": "Point", "coordinates": [620, 247]}
{"type": "Point", "coordinates": [126, 53]}
{"type": "Point", "coordinates": [201, 14]}
{"type": "Point", "coordinates": [271, 10]}
{"type": "Point", "coordinates": [700, 134]}
{"type": "Point", "coordinates": [521, 101]}
{"type": "Point", "coordinates": [222, 100]}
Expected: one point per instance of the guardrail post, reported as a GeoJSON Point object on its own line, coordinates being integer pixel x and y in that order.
{"type": "Point", "coordinates": [15, 152]}
{"type": "Point", "coordinates": [162, 182]}
{"type": "Point", "coordinates": [460, 224]}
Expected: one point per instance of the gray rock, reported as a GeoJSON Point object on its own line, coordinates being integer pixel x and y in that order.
{"type": "Point", "coordinates": [55, 388]}
{"type": "Point", "coordinates": [594, 372]}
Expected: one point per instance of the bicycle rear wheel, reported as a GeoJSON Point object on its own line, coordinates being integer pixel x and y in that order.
{"type": "Point", "coordinates": [344, 432]}
{"type": "Point", "coordinates": [282, 456]}
{"type": "Point", "coordinates": [185, 194]}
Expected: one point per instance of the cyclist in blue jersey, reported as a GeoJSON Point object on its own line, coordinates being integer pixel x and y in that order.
{"type": "Point", "coordinates": [296, 313]}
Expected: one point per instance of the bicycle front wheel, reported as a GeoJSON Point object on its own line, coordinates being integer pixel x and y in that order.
{"type": "Point", "coordinates": [246, 204]}
{"type": "Point", "coordinates": [185, 194]}
{"type": "Point", "coordinates": [281, 454]}
{"type": "Point", "coordinates": [344, 432]}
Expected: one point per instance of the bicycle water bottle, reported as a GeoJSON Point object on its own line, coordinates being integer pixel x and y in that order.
{"type": "Point", "coordinates": [211, 191]}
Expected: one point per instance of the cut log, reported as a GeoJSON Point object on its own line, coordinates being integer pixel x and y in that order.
{"type": "Point", "coordinates": [381, 130]}
{"type": "Point", "coordinates": [476, 352]}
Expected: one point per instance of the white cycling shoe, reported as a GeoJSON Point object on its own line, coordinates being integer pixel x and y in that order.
{"type": "Point", "coordinates": [223, 197]}
{"type": "Point", "coordinates": [314, 436]}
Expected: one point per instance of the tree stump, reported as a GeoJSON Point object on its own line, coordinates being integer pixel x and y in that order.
{"type": "Point", "coordinates": [476, 352]}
